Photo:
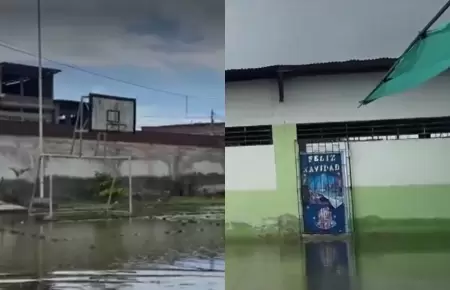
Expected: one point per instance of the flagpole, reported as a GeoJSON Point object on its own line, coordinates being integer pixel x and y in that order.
{"type": "Point", "coordinates": [419, 36]}
{"type": "Point", "coordinates": [40, 101]}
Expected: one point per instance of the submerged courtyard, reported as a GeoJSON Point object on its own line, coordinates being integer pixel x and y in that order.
{"type": "Point", "coordinates": [179, 250]}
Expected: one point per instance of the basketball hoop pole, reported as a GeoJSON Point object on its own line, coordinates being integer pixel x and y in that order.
{"type": "Point", "coordinates": [40, 101]}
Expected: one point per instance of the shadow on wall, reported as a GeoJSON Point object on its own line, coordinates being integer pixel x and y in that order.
{"type": "Point", "coordinates": [155, 169]}
{"type": "Point", "coordinates": [19, 191]}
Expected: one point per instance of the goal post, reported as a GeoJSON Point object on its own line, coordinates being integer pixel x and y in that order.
{"type": "Point", "coordinates": [119, 168]}
{"type": "Point", "coordinates": [105, 114]}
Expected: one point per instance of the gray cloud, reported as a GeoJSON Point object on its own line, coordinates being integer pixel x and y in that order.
{"type": "Point", "coordinates": [267, 32]}
{"type": "Point", "coordinates": [150, 33]}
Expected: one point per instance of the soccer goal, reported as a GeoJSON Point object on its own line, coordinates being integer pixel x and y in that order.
{"type": "Point", "coordinates": [83, 185]}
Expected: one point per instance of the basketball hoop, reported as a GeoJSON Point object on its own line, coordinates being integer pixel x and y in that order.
{"type": "Point", "coordinates": [112, 114]}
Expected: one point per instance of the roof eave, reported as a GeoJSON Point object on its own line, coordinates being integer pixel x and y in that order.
{"type": "Point", "coordinates": [314, 69]}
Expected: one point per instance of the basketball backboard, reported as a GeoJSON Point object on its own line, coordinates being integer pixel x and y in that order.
{"type": "Point", "coordinates": [112, 114]}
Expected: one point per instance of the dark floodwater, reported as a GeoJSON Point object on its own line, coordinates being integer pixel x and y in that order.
{"type": "Point", "coordinates": [118, 254]}
{"type": "Point", "coordinates": [388, 262]}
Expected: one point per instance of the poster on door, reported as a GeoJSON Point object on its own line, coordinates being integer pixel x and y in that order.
{"type": "Point", "coordinates": [322, 193]}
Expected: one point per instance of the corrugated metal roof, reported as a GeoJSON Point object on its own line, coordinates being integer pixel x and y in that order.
{"type": "Point", "coordinates": [325, 68]}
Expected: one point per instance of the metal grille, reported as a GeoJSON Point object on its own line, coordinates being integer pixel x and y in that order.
{"type": "Point", "coordinates": [376, 130]}
{"type": "Point", "coordinates": [324, 147]}
{"type": "Point", "coordinates": [248, 136]}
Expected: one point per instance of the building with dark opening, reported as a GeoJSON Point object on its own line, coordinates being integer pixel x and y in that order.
{"type": "Point", "coordinates": [19, 92]}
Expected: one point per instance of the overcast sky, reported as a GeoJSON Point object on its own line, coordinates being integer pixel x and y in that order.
{"type": "Point", "coordinates": [178, 45]}
{"type": "Point", "coordinates": [269, 32]}
{"type": "Point", "coordinates": [167, 44]}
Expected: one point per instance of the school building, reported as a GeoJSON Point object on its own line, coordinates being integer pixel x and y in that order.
{"type": "Point", "coordinates": [392, 156]}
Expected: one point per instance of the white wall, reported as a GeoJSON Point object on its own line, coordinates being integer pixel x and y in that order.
{"type": "Point", "coordinates": [250, 168]}
{"type": "Point", "coordinates": [19, 153]}
{"type": "Point", "coordinates": [400, 162]}
{"type": "Point", "coordinates": [330, 98]}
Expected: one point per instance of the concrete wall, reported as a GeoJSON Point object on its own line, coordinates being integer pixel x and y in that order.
{"type": "Point", "coordinates": [396, 184]}
{"type": "Point", "coordinates": [401, 181]}
{"type": "Point", "coordinates": [156, 168]}
{"type": "Point", "coordinates": [250, 168]}
{"type": "Point", "coordinates": [252, 202]}
{"type": "Point", "coordinates": [330, 98]}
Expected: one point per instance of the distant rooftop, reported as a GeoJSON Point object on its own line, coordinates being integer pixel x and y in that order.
{"type": "Point", "coordinates": [191, 128]}
{"type": "Point", "coordinates": [26, 70]}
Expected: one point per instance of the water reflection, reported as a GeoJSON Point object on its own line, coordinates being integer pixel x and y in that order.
{"type": "Point", "coordinates": [140, 254]}
{"type": "Point", "coordinates": [328, 265]}
{"type": "Point", "coordinates": [389, 262]}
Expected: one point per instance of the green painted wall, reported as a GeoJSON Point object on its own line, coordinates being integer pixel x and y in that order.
{"type": "Point", "coordinates": [253, 207]}
{"type": "Point", "coordinates": [402, 208]}
{"type": "Point", "coordinates": [376, 209]}
{"type": "Point", "coordinates": [285, 163]}
{"type": "Point", "coordinates": [266, 211]}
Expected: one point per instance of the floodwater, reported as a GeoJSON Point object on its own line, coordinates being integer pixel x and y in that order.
{"type": "Point", "coordinates": [115, 254]}
{"type": "Point", "coordinates": [372, 262]}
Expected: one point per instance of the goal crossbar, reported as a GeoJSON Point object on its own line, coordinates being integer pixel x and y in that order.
{"type": "Point", "coordinates": [87, 157]}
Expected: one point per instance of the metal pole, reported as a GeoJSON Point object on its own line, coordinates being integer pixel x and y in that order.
{"type": "Point", "coordinates": [77, 125]}
{"type": "Point", "coordinates": [130, 186]}
{"type": "Point", "coordinates": [419, 36]}
{"type": "Point", "coordinates": [51, 195]}
{"type": "Point", "coordinates": [1, 82]}
{"type": "Point", "coordinates": [40, 97]}
{"type": "Point", "coordinates": [212, 122]}
{"type": "Point", "coordinates": [80, 152]}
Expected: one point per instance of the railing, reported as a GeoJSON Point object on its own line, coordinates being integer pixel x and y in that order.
{"type": "Point", "coordinates": [16, 101]}
{"type": "Point", "coordinates": [23, 116]}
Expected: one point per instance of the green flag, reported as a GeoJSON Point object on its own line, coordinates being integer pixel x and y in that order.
{"type": "Point", "coordinates": [427, 58]}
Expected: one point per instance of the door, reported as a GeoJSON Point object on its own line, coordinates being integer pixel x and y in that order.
{"type": "Point", "coordinates": [323, 198]}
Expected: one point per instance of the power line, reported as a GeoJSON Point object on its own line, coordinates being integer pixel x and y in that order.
{"type": "Point", "coordinates": [74, 67]}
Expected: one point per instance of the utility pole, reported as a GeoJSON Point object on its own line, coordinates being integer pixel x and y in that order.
{"type": "Point", "coordinates": [212, 121]}
{"type": "Point", "coordinates": [40, 101]}
{"type": "Point", "coordinates": [212, 116]}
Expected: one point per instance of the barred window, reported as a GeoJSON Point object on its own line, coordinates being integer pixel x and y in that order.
{"type": "Point", "coordinates": [248, 135]}
{"type": "Point", "coordinates": [376, 130]}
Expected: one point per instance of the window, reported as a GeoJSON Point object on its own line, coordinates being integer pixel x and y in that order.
{"type": "Point", "coordinates": [248, 135]}
{"type": "Point", "coordinates": [376, 130]}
